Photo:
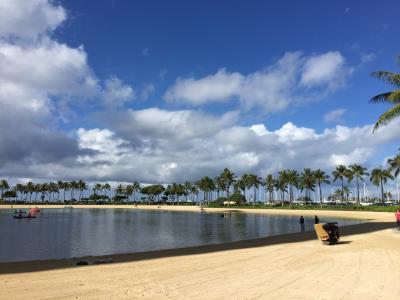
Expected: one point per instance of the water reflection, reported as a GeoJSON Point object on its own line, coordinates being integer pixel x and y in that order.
{"type": "Point", "coordinates": [64, 233]}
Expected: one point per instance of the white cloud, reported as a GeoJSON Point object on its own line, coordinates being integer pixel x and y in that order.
{"type": "Point", "coordinates": [29, 19]}
{"type": "Point", "coordinates": [217, 88]}
{"type": "Point", "coordinates": [334, 116]}
{"type": "Point", "coordinates": [40, 79]}
{"type": "Point", "coordinates": [146, 91]}
{"type": "Point", "coordinates": [295, 78]}
{"type": "Point", "coordinates": [47, 66]}
{"type": "Point", "coordinates": [325, 69]}
{"type": "Point", "coordinates": [367, 57]}
{"type": "Point", "coordinates": [150, 140]}
{"type": "Point", "coordinates": [116, 93]}
{"type": "Point", "coordinates": [259, 129]}
{"type": "Point", "coordinates": [155, 145]}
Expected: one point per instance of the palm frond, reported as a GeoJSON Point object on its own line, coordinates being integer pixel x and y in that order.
{"type": "Point", "coordinates": [390, 77]}
{"type": "Point", "coordinates": [386, 117]}
{"type": "Point", "coordinates": [391, 97]}
{"type": "Point", "coordinates": [395, 96]}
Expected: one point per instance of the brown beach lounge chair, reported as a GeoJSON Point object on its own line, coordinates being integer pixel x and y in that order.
{"type": "Point", "coordinates": [327, 233]}
{"type": "Point", "coordinates": [321, 233]}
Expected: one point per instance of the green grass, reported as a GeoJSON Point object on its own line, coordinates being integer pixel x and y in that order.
{"type": "Point", "coordinates": [376, 208]}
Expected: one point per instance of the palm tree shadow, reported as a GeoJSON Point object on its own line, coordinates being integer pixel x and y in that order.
{"type": "Point", "coordinates": [33, 266]}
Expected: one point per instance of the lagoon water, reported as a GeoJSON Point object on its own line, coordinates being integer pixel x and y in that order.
{"type": "Point", "coordinates": [66, 233]}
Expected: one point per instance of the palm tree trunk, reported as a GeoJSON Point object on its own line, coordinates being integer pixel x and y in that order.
{"type": "Point", "coordinates": [342, 191]}
{"type": "Point", "coordinates": [358, 191]}
{"type": "Point", "coordinates": [320, 193]}
{"type": "Point", "coordinates": [382, 193]}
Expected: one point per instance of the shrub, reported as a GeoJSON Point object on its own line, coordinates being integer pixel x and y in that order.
{"type": "Point", "coordinates": [238, 198]}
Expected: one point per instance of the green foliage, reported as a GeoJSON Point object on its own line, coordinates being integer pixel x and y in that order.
{"type": "Point", "coordinates": [238, 198]}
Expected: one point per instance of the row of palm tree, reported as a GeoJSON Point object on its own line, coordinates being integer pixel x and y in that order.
{"type": "Point", "coordinates": [285, 183]}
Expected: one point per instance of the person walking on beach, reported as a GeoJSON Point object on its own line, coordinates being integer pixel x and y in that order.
{"type": "Point", "coordinates": [397, 215]}
{"type": "Point", "coordinates": [302, 228]}
{"type": "Point", "coordinates": [316, 219]}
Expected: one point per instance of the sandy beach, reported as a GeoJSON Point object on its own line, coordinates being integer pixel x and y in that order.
{"type": "Point", "coordinates": [366, 265]}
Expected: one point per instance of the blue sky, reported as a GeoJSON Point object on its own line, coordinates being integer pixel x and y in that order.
{"type": "Point", "coordinates": [158, 91]}
{"type": "Point", "coordinates": [196, 39]}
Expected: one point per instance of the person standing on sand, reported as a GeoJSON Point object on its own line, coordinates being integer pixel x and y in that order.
{"type": "Point", "coordinates": [316, 219]}
{"type": "Point", "coordinates": [301, 221]}
{"type": "Point", "coordinates": [397, 215]}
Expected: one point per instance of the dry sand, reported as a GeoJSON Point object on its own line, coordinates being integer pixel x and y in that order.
{"type": "Point", "coordinates": [297, 266]}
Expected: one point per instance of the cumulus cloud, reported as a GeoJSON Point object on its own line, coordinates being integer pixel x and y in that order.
{"type": "Point", "coordinates": [293, 79]}
{"type": "Point", "coordinates": [155, 145]}
{"type": "Point", "coordinates": [39, 79]}
{"type": "Point", "coordinates": [116, 93]}
{"type": "Point", "coordinates": [334, 116]}
{"type": "Point", "coordinates": [324, 70]}
{"type": "Point", "coordinates": [29, 19]}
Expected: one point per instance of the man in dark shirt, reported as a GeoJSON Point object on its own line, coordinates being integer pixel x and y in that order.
{"type": "Point", "coordinates": [316, 220]}
{"type": "Point", "coordinates": [302, 227]}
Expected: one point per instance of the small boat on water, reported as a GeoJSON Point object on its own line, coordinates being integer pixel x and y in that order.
{"type": "Point", "coordinates": [24, 217]}
{"type": "Point", "coordinates": [32, 213]}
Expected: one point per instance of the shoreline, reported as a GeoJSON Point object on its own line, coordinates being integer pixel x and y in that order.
{"type": "Point", "coordinates": [364, 265]}
{"type": "Point", "coordinates": [353, 214]}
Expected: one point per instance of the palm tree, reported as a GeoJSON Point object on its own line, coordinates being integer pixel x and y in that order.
{"type": "Point", "coordinates": [97, 187]}
{"type": "Point", "coordinates": [136, 188]}
{"type": "Point", "coordinates": [206, 184]}
{"type": "Point", "coordinates": [106, 187]}
{"type": "Point", "coordinates": [30, 186]}
{"type": "Point", "coordinates": [394, 164]}
{"type": "Point", "coordinates": [229, 179]}
{"type": "Point", "coordinates": [44, 188]}
{"type": "Point", "coordinates": [270, 186]}
{"type": "Point", "coordinates": [292, 178]}
{"type": "Point", "coordinates": [341, 172]}
{"type": "Point", "coordinates": [3, 187]}
{"type": "Point", "coordinates": [281, 185]}
{"type": "Point", "coordinates": [358, 172]}
{"type": "Point", "coordinates": [19, 188]}
{"type": "Point", "coordinates": [307, 182]}
{"type": "Point", "coordinates": [392, 97]}
{"type": "Point", "coordinates": [243, 183]}
{"type": "Point", "coordinates": [194, 191]}
{"type": "Point", "coordinates": [220, 185]}
{"type": "Point", "coordinates": [65, 186]}
{"type": "Point", "coordinates": [53, 188]}
{"type": "Point", "coordinates": [321, 178]}
{"type": "Point", "coordinates": [254, 181]}
{"type": "Point", "coordinates": [82, 186]}
{"type": "Point", "coordinates": [187, 186]}
{"type": "Point", "coordinates": [73, 186]}
{"type": "Point", "coordinates": [129, 191]}
{"type": "Point", "coordinates": [379, 177]}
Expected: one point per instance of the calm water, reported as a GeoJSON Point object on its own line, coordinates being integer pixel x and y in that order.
{"type": "Point", "coordinates": [65, 233]}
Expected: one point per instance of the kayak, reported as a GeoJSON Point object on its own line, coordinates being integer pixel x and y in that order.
{"type": "Point", "coordinates": [24, 217]}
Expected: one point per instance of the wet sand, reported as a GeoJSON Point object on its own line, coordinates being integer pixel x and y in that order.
{"type": "Point", "coordinates": [366, 265]}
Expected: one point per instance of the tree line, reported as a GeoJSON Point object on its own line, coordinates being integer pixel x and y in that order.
{"type": "Point", "coordinates": [225, 186]}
